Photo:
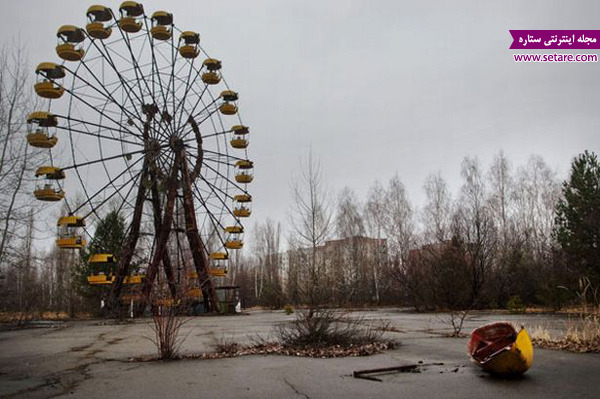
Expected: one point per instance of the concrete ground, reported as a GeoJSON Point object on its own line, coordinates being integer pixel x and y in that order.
{"type": "Point", "coordinates": [95, 359]}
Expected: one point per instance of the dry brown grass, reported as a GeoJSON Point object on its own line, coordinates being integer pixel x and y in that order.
{"type": "Point", "coordinates": [582, 336]}
{"type": "Point", "coordinates": [16, 317]}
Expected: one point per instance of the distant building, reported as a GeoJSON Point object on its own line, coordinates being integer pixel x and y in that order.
{"type": "Point", "coordinates": [347, 267]}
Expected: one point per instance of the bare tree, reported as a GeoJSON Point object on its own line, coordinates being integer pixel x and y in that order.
{"type": "Point", "coordinates": [374, 216]}
{"type": "Point", "coordinates": [501, 186]}
{"type": "Point", "coordinates": [267, 272]}
{"type": "Point", "coordinates": [351, 269]}
{"type": "Point", "coordinates": [536, 193]}
{"type": "Point", "coordinates": [474, 226]}
{"type": "Point", "coordinates": [311, 219]}
{"type": "Point", "coordinates": [437, 212]}
{"type": "Point", "coordinates": [17, 159]}
{"type": "Point", "coordinates": [399, 220]}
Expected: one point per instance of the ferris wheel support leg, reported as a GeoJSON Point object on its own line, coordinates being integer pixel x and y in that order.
{"type": "Point", "coordinates": [196, 247]}
{"type": "Point", "coordinates": [128, 248]}
{"type": "Point", "coordinates": [163, 236]}
{"type": "Point", "coordinates": [166, 261]}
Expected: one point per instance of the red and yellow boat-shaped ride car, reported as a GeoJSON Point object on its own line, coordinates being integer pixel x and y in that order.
{"type": "Point", "coordinates": [499, 349]}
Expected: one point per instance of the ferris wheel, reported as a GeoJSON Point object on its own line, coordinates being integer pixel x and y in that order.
{"type": "Point", "coordinates": [139, 120]}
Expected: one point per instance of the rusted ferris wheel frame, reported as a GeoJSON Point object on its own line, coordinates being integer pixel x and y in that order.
{"type": "Point", "coordinates": [136, 100]}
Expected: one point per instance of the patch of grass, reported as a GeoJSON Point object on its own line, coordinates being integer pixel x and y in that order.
{"type": "Point", "coordinates": [582, 336]}
{"type": "Point", "coordinates": [323, 327]}
{"type": "Point", "coordinates": [227, 346]}
{"type": "Point", "coordinates": [318, 333]}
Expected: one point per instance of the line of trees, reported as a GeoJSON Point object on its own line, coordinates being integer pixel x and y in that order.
{"type": "Point", "coordinates": [507, 238]}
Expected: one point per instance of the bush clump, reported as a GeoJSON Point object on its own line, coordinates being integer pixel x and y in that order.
{"type": "Point", "coordinates": [288, 309]}
{"type": "Point", "coordinates": [515, 305]}
{"type": "Point", "coordinates": [322, 327]}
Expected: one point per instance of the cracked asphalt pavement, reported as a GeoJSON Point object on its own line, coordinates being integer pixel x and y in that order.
{"type": "Point", "coordinates": [96, 359]}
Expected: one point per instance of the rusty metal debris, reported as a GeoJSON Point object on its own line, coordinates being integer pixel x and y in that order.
{"type": "Point", "coordinates": [409, 368]}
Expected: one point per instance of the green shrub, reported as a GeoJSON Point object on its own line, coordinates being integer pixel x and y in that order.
{"type": "Point", "coordinates": [515, 304]}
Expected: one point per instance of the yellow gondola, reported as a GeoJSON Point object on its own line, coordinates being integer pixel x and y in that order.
{"type": "Point", "coordinates": [97, 16]}
{"type": "Point", "coordinates": [240, 130]}
{"type": "Point", "coordinates": [239, 139]}
{"type": "Point", "coordinates": [211, 78]}
{"type": "Point", "coordinates": [228, 109]}
{"type": "Point", "coordinates": [50, 172]}
{"type": "Point", "coordinates": [99, 279]}
{"type": "Point", "coordinates": [194, 292]}
{"type": "Point", "coordinates": [102, 269]}
{"type": "Point", "coordinates": [68, 232]}
{"type": "Point", "coordinates": [242, 210]}
{"type": "Point", "coordinates": [212, 64]}
{"type": "Point", "coordinates": [244, 171]}
{"type": "Point", "coordinates": [218, 262]}
{"type": "Point", "coordinates": [130, 10]}
{"type": "Point", "coordinates": [219, 256]}
{"type": "Point", "coordinates": [234, 237]}
{"type": "Point", "coordinates": [217, 271]}
{"type": "Point", "coordinates": [229, 95]}
{"type": "Point", "coordinates": [39, 136]}
{"type": "Point", "coordinates": [133, 279]}
{"type": "Point", "coordinates": [160, 25]}
{"type": "Point", "coordinates": [102, 258]}
{"type": "Point", "coordinates": [239, 143]}
{"type": "Point", "coordinates": [47, 73]}
{"type": "Point", "coordinates": [69, 37]}
{"type": "Point", "coordinates": [189, 48]}
{"type": "Point", "coordinates": [48, 192]}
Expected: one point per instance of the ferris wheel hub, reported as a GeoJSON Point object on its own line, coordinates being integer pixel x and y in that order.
{"type": "Point", "coordinates": [176, 143]}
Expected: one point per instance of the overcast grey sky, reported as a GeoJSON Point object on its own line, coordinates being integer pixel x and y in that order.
{"type": "Point", "coordinates": [376, 87]}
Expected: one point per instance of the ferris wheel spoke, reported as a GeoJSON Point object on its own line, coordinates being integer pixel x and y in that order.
{"type": "Point", "coordinates": [224, 177]}
{"type": "Point", "coordinates": [76, 165]}
{"type": "Point", "coordinates": [188, 84]}
{"type": "Point", "coordinates": [98, 135]}
{"type": "Point", "coordinates": [214, 188]}
{"type": "Point", "coordinates": [224, 155]}
{"type": "Point", "coordinates": [206, 107]}
{"type": "Point", "coordinates": [140, 76]}
{"type": "Point", "coordinates": [96, 207]}
{"type": "Point", "coordinates": [133, 60]}
{"type": "Point", "coordinates": [108, 95]}
{"type": "Point", "coordinates": [201, 121]}
{"type": "Point", "coordinates": [111, 182]}
{"type": "Point", "coordinates": [155, 68]}
{"type": "Point", "coordinates": [171, 82]}
{"type": "Point", "coordinates": [118, 210]}
{"type": "Point", "coordinates": [124, 82]}
{"type": "Point", "coordinates": [216, 160]}
{"type": "Point", "coordinates": [215, 134]}
{"type": "Point", "coordinates": [216, 224]}
{"type": "Point", "coordinates": [139, 73]}
{"type": "Point", "coordinates": [95, 109]}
